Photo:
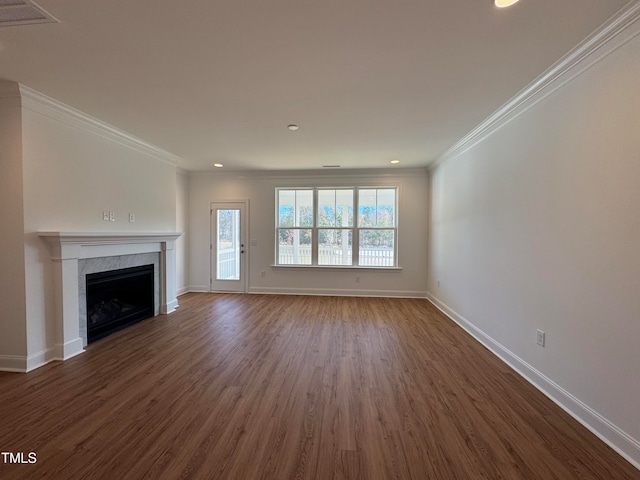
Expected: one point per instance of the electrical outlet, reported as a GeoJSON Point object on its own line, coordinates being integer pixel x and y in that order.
{"type": "Point", "coordinates": [262, 273]}
{"type": "Point", "coordinates": [105, 216]}
{"type": "Point", "coordinates": [540, 338]}
{"type": "Point", "coordinates": [112, 217]}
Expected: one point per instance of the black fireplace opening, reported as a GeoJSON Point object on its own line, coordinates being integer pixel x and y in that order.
{"type": "Point", "coordinates": [117, 299]}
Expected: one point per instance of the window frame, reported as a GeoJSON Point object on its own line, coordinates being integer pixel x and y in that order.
{"type": "Point", "coordinates": [279, 228]}
{"type": "Point", "coordinates": [355, 228]}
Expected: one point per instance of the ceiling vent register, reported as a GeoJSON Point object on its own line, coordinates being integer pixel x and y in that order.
{"type": "Point", "coordinates": [23, 12]}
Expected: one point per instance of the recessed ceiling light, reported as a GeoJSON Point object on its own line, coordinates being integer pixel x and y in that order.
{"type": "Point", "coordinates": [218, 165]}
{"type": "Point", "coordinates": [395, 161]}
{"type": "Point", "coordinates": [330, 166]}
{"type": "Point", "coordinates": [505, 3]}
{"type": "Point", "coordinates": [292, 127]}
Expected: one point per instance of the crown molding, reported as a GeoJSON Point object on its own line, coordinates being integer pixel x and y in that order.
{"type": "Point", "coordinates": [9, 89]}
{"type": "Point", "coordinates": [51, 108]}
{"type": "Point", "coordinates": [618, 30]}
{"type": "Point", "coordinates": [314, 174]}
{"type": "Point", "coordinates": [9, 94]}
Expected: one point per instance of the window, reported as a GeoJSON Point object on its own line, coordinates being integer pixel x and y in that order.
{"type": "Point", "coordinates": [295, 217]}
{"type": "Point", "coordinates": [377, 221]}
{"type": "Point", "coordinates": [336, 226]}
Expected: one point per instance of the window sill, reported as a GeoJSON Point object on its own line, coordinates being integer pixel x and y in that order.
{"type": "Point", "coordinates": [336, 267]}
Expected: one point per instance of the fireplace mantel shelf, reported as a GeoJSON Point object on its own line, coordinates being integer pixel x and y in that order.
{"type": "Point", "coordinates": [106, 238]}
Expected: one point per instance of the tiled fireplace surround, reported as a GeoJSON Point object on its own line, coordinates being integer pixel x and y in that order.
{"type": "Point", "coordinates": [76, 254]}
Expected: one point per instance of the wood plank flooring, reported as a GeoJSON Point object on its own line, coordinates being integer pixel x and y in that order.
{"type": "Point", "coordinates": [289, 387]}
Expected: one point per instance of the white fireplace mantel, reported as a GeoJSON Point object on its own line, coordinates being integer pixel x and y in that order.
{"type": "Point", "coordinates": [67, 248]}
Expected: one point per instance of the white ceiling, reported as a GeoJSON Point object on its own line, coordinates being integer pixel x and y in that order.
{"type": "Point", "coordinates": [366, 80]}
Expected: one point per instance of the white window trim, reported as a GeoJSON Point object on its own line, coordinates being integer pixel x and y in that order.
{"type": "Point", "coordinates": [355, 239]}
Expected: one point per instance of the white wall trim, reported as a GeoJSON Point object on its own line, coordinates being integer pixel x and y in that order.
{"type": "Point", "coordinates": [39, 359]}
{"type": "Point", "coordinates": [22, 364]}
{"type": "Point", "coordinates": [315, 291]}
{"type": "Point", "coordinates": [13, 363]}
{"type": "Point", "coordinates": [182, 291]}
{"type": "Point", "coordinates": [198, 289]}
{"type": "Point", "coordinates": [51, 108]}
{"type": "Point", "coordinates": [620, 29]}
{"type": "Point", "coordinates": [313, 175]}
{"type": "Point", "coordinates": [9, 94]}
{"type": "Point", "coordinates": [623, 443]}
{"type": "Point", "coordinates": [169, 307]}
{"type": "Point", "coordinates": [337, 292]}
{"type": "Point", "coordinates": [64, 351]}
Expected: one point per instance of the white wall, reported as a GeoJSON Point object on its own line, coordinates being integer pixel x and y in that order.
{"type": "Point", "coordinates": [71, 175]}
{"type": "Point", "coordinates": [538, 227]}
{"type": "Point", "coordinates": [260, 191]}
{"type": "Point", "coordinates": [182, 225]}
{"type": "Point", "coordinates": [13, 340]}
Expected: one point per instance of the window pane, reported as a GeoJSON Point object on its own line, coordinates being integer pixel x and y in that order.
{"type": "Point", "coordinates": [344, 208]}
{"type": "Point", "coordinates": [335, 208]}
{"type": "Point", "coordinates": [294, 246]}
{"type": "Point", "coordinates": [334, 247]}
{"type": "Point", "coordinates": [326, 208]}
{"type": "Point", "coordinates": [376, 248]}
{"type": "Point", "coordinates": [295, 208]}
{"type": "Point", "coordinates": [304, 208]}
{"type": "Point", "coordinates": [377, 207]}
{"type": "Point", "coordinates": [366, 208]}
{"type": "Point", "coordinates": [228, 245]}
{"type": "Point", "coordinates": [385, 213]}
{"type": "Point", "coordinates": [286, 208]}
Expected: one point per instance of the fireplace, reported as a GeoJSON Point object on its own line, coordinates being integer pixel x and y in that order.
{"type": "Point", "coordinates": [75, 254]}
{"type": "Point", "coordinates": [117, 299]}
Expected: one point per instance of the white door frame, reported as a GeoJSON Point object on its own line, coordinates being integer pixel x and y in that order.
{"type": "Point", "coordinates": [232, 286]}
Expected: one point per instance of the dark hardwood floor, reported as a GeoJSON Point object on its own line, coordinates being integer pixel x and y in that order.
{"type": "Point", "coordinates": [287, 387]}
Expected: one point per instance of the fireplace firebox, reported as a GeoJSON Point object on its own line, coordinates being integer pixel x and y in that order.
{"type": "Point", "coordinates": [117, 299]}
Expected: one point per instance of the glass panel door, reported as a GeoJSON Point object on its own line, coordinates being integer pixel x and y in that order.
{"type": "Point", "coordinates": [227, 247]}
{"type": "Point", "coordinates": [228, 244]}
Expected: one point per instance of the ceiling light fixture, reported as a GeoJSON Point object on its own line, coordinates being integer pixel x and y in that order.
{"type": "Point", "coordinates": [218, 165]}
{"type": "Point", "coordinates": [395, 161]}
{"type": "Point", "coordinates": [293, 127]}
{"type": "Point", "coordinates": [505, 3]}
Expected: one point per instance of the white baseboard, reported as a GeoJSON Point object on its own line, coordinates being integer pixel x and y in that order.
{"type": "Point", "coordinates": [623, 443]}
{"type": "Point", "coordinates": [326, 292]}
{"type": "Point", "coordinates": [198, 288]}
{"type": "Point", "coordinates": [169, 307]}
{"type": "Point", "coordinates": [23, 364]}
{"type": "Point", "coordinates": [13, 363]}
{"type": "Point", "coordinates": [337, 292]}
{"type": "Point", "coordinates": [39, 359]}
{"type": "Point", "coordinates": [67, 350]}
{"type": "Point", "coordinates": [182, 290]}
